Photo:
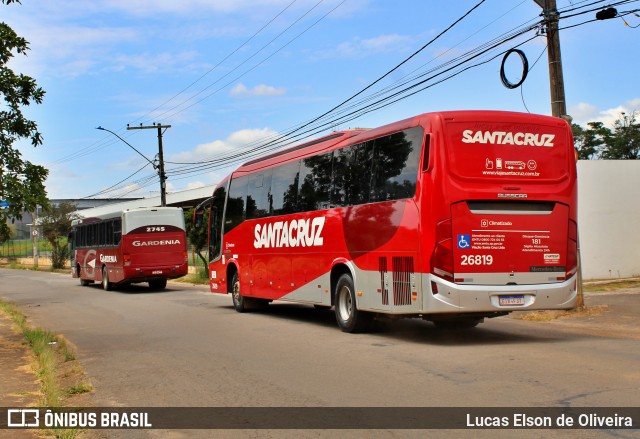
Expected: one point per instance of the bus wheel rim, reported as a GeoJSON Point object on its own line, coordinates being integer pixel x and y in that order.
{"type": "Point", "coordinates": [345, 303]}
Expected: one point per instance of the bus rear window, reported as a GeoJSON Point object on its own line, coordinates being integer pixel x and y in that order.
{"type": "Point", "coordinates": [508, 151]}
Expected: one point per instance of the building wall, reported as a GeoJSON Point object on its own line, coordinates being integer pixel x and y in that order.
{"type": "Point", "coordinates": [608, 217]}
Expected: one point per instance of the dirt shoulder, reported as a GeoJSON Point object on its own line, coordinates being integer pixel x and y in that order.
{"type": "Point", "coordinates": [18, 384]}
{"type": "Point", "coordinates": [612, 309]}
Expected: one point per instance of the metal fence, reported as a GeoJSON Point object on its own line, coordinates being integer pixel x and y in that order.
{"type": "Point", "coordinates": [21, 251]}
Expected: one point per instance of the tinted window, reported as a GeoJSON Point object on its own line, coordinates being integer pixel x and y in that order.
{"type": "Point", "coordinates": [340, 189]}
{"type": "Point", "coordinates": [236, 203]}
{"type": "Point", "coordinates": [259, 197]}
{"type": "Point", "coordinates": [395, 165]}
{"type": "Point", "coordinates": [217, 208]}
{"type": "Point", "coordinates": [117, 231]}
{"type": "Point", "coordinates": [284, 188]}
{"type": "Point", "coordinates": [315, 183]}
{"type": "Point", "coordinates": [352, 174]}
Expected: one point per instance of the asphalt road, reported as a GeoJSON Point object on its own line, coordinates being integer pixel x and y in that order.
{"type": "Point", "coordinates": [188, 347]}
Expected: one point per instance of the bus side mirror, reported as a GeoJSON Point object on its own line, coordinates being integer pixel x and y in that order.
{"type": "Point", "coordinates": [197, 218]}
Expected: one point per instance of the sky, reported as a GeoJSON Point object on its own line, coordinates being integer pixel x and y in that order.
{"type": "Point", "coordinates": [230, 76]}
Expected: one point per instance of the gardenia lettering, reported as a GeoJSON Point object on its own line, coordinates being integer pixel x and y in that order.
{"type": "Point", "coordinates": [163, 242]}
{"type": "Point", "coordinates": [507, 138]}
{"type": "Point", "coordinates": [294, 233]}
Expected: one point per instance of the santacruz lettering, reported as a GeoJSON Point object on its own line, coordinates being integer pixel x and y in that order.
{"type": "Point", "coordinates": [294, 233]}
{"type": "Point", "coordinates": [507, 138]}
{"type": "Point", "coordinates": [163, 242]}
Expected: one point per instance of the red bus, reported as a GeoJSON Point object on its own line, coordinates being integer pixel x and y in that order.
{"type": "Point", "coordinates": [452, 217]}
{"type": "Point", "coordinates": [130, 246]}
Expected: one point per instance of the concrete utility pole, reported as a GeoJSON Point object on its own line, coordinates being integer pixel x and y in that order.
{"type": "Point", "coordinates": [556, 80]}
{"type": "Point", "coordinates": [163, 177]}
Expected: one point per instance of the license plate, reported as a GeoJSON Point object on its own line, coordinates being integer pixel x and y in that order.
{"type": "Point", "coordinates": [511, 300]}
{"type": "Point", "coordinates": [156, 272]}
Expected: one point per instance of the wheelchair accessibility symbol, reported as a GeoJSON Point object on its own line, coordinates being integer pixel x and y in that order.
{"type": "Point", "coordinates": [464, 241]}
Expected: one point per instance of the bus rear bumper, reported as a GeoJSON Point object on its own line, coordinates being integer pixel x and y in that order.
{"type": "Point", "coordinates": [144, 274]}
{"type": "Point", "coordinates": [455, 298]}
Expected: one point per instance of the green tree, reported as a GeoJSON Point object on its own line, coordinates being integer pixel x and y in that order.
{"type": "Point", "coordinates": [588, 141]}
{"type": "Point", "coordinates": [56, 224]}
{"type": "Point", "coordinates": [198, 236]}
{"type": "Point", "coordinates": [624, 142]}
{"type": "Point", "coordinates": [598, 141]}
{"type": "Point", "coordinates": [21, 182]}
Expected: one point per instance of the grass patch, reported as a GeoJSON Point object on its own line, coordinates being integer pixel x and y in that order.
{"type": "Point", "coordinates": [78, 389]}
{"type": "Point", "coordinates": [200, 278]}
{"type": "Point", "coordinates": [613, 285]}
{"type": "Point", "coordinates": [53, 363]}
{"type": "Point", "coordinates": [547, 316]}
{"type": "Point", "coordinates": [14, 265]}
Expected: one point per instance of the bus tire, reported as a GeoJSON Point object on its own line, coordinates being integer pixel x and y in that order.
{"type": "Point", "coordinates": [159, 284]}
{"type": "Point", "coordinates": [106, 285]}
{"type": "Point", "coordinates": [349, 318]}
{"type": "Point", "coordinates": [239, 301]}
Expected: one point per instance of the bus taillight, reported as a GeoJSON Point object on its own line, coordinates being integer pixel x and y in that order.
{"type": "Point", "coordinates": [186, 256]}
{"type": "Point", "coordinates": [572, 249]}
{"type": "Point", "coordinates": [442, 258]}
{"type": "Point", "coordinates": [126, 258]}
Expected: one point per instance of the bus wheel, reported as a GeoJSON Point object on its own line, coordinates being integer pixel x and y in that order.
{"type": "Point", "coordinates": [106, 285]}
{"type": "Point", "coordinates": [239, 302]}
{"type": "Point", "coordinates": [347, 314]}
{"type": "Point", "coordinates": [160, 284]}
{"type": "Point", "coordinates": [83, 282]}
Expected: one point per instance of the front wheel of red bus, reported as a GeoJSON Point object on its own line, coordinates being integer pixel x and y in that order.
{"type": "Point", "coordinates": [242, 303]}
{"type": "Point", "coordinates": [349, 318]}
{"type": "Point", "coordinates": [106, 285]}
{"type": "Point", "coordinates": [239, 302]}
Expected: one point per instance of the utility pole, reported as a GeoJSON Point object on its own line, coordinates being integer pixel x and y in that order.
{"type": "Point", "coordinates": [558, 102]}
{"type": "Point", "coordinates": [163, 177]}
{"type": "Point", "coordinates": [556, 80]}
{"type": "Point", "coordinates": [34, 236]}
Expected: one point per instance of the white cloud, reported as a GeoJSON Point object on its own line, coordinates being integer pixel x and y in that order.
{"type": "Point", "coordinates": [258, 90]}
{"type": "Point", "coordinates": [238, 141]}
{"type": "Point", "coordinates": [583, 112]}
{"type": "Point", "coordinates": [362, 47]}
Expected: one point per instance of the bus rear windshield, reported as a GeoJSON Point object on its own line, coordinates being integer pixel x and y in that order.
{"type": "Point", "coordinates": [508, 151]}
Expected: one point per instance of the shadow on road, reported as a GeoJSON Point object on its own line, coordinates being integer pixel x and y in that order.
{"type": "Point", "coordinates": [131, 289]}
{"type": "Point", "coordinates": [390, 331]}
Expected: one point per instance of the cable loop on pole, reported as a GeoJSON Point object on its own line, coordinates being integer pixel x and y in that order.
{"type": "Point", "coordinates": [525, 69]}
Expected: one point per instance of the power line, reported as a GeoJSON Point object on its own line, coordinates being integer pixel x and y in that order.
{"type": "Point", "coordinates": [250, 69]}
{"type": "Point", "coordinates": [219, 63]}
{"type": "Point", "coordinates": [407, 89]}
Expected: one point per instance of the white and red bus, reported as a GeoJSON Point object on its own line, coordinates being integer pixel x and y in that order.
{"type": "Point", "coordinates": [130, 246]}
{"type": "Point", "coordinates": [452, 216]}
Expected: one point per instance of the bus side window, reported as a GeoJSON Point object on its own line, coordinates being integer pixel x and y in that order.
{"type": "Point", "coordinates": [315, 183]}
{"type": "Point", "coordinates": [284, 188]}
{"type": "Point", "coordinates": [360, 175]}
{"type": "Point", "coordinates": [258, 195]}
{"type": "Point", "coordinates": [396, 165]}
{"type": "Point", "coordinates": [215, 222]}
{"type": "Point", "coordinates": [117, 231]}
{"type": "Point", "coordinates": [236, 203]}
